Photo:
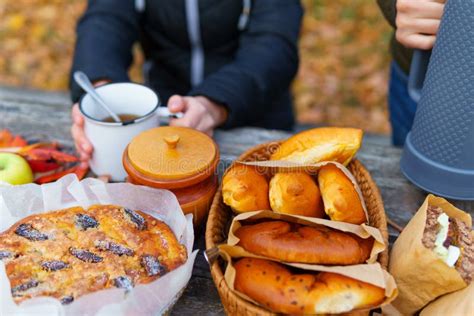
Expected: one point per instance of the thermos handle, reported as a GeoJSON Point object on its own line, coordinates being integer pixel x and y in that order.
{"type": "Point", "coordinates": [418, 68]}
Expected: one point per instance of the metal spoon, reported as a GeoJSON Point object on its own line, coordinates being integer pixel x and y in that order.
{"type": "Point", "coordinates": [83, 81]}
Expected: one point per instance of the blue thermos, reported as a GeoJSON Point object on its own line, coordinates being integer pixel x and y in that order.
{"type": "Point", "coordinates": [439, 151]}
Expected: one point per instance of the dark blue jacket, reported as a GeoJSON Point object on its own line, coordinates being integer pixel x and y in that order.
{"type": "Point", "coordinates": [248, 68]}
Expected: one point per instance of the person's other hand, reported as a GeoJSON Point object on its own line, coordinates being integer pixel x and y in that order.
{"type": "Point", "coordinates": [83, 145]}
{"type": "Point", "coordinates": [418, 22]}
{"type": "Point", "coordinates": [199, 113]}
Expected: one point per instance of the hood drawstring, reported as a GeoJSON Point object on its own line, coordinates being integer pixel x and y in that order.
{"type": "Point", "coordinates": [244, 17]}
{"type": "Point", "coordinates": [140, 6]}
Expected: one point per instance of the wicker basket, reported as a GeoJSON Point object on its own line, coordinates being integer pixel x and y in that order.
{"type": "Point", "coordinates": [220, 217]}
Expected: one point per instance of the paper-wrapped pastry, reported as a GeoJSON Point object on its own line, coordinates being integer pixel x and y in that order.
{"type": "Point", "coordinates": [291, 242]}
{"type": "Point", "coordinates": [102, 243]}
{"type": "Point", "coordinates": [296, 193]}
{"type": "Point", "coordinates": [433, 256]}
{"type": "Point", "coordinates": [245, 189]}
{"type": "Point", "coordinates": [281, 290]}
{"type": "Point", "coordinates": [302, 240]}
{"type": "Point", "coordinates": [341, 200]}
{"type": "Point", "coordinates": [321, 144]}
{"type": "Point", "coordinates": [72, 252]}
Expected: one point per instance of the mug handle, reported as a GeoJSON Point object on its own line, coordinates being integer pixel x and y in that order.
{"type": "Point", "coordinates": [418, 68]}
{"type": "Point", "coordinates": [164, 112]}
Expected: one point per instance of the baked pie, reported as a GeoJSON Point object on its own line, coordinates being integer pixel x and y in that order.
{"type": "Point", "coordinates": [72, 252]}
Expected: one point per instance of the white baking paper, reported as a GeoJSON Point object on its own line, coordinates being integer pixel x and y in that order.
{"type": "Point", "coordinates": [155, 298]}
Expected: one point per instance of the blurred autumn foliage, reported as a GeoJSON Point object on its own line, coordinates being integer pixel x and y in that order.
{"type": "Point", "coordinates": [37, 38]}
{"type": "Point", "coordinates": [344, 56]}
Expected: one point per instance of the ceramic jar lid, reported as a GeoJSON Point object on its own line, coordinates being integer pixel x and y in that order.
{"type": "Point", "coordinates": [171, 157]}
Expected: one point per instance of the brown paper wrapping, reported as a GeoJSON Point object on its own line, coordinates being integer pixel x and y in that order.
{"type": "Point", "coordinates": [363, 231]}
{"type": "Point", "coordinates": [420, 275]}
{"type": "Point", "coordinates": [457, 303]}
{"type": "Point", "coordinates": [275, 166]}
{"type": "Point", "coordinates": [369, 273]}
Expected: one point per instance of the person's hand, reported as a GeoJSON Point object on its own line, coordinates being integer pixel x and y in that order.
{"type": "Point", "coordinates": [199, 113]}
{"type": "Point", "coordinates": [418, 22]}
{"type": "Point", "coordinates": [83, 145]}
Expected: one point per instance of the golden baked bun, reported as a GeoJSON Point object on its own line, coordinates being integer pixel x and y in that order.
{"type": "Point", "coordinates": [321, 144]}
{"type": "Point", "coordinates": [341, 201]}
{"type": "Point", "coordinates": [296, 194]}
{"type": "Point", "coordinates": [297, 243]}
{"type": "Point", "coordinates": [275, 287]}
{"type": "Point", "coordinates": [244, 189]}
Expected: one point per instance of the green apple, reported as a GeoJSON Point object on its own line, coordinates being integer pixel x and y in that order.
{"type": "Point", "coordinates": [14, 169]}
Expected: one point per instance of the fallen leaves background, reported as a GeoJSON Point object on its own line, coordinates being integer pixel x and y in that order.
{"type": "Point", "coordinates": [343, 71]}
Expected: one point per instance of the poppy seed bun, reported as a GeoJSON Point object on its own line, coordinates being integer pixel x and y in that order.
{"type": "Point", "coordinates": [341, 201]}
{"type": "Point", "coordinates": [244, 189]}
{"type": "Point", "coordinates": [277, 288]}
{"type": "Point", "coordinates": [321, 144]}
{"type": "Point", "coordinates": [295, 194]}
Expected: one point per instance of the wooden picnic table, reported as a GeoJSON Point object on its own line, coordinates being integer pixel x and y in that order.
{"type": "Point", "coordinates": [45, 116]}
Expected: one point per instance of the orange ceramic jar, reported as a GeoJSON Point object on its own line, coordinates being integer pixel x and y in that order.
{"type": "Point", "coordinates": [179, 159]}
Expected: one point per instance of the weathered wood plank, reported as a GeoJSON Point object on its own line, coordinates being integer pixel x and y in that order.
{"type": "Point", "coordinates": [34, 96]}
{"type": "Point", "coordinates": [36, 115]}
{"type": "Point", "coordinates": [199, 298]}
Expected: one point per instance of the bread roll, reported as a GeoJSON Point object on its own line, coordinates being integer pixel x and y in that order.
{"type": "Point", "coordinates": [321, 144]}
{"type": "Point", "coordinates": [244, 189]}
{"type": "Point", "coordinates": [296, 243]}
{"type": "Point", "coordinates": [341, 201]}
{"type": "Point", "coordinates": [296, 194]}
{"type": "Point", "coordinates": [275, 287]}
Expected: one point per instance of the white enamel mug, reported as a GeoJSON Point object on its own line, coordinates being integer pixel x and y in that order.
{"type": "Point", "coordinates": [111, 139]}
